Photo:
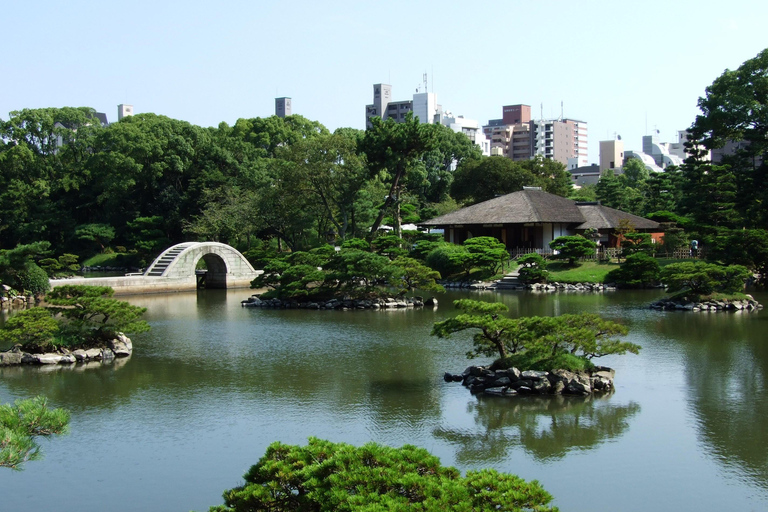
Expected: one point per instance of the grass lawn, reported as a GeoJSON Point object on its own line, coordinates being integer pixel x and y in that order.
{"type": "Point", "coordinates": [115, 259]}
{"type": "Point", "coordinates": [586, 272]}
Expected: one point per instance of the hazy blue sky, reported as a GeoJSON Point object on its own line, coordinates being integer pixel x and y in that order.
{"type": "Point", "coordinates": [622, 66]}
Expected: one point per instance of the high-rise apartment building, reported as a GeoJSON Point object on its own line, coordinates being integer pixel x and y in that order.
{"type": "Point", "coordinates": [424, 106]}
{"type": "Point", "coordinates": [124, 110]}
{"type": "Point", "coordinates": [282, 107]}
{"type": "Point", "coordinates": [611, 154]}
{"type": "Point", "coordinates": [519, 137]}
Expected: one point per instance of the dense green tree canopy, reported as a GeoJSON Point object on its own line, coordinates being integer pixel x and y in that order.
{"type": "Point", "coordinates": [20, 423]}
{"type": "Point", "coordinates": [325, 476]}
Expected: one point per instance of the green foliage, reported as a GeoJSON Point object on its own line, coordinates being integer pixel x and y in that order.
{"type": "Point", "coordinates": [583, 335]}
{"type": "Point", "coordinates": [357, 271]}
{"type": "Point", "coordinates": [424, 243]}
{"type": "Point", "coordinates": [572, 248]}
{"type": "Point", "coordinates": [543, 360]}
{"type": "Point", "coordinates": [101, 234]}
{"type": "Point", "coordinates": [747, 247]}
{"type": "Point", "coordinates": [704, 278]}
{"type": "Point", "coordinates": [65, 265]}
{"type": "Point", "coordinates": [479, 180]}
{"type": "Point", "coordinates": [20, 423]}
{"type": "Point", "coordinates": [91, 316]}
{"type": "Point", "coordinates": [410, 274]}
{"type": "Point", "coordinates": [336, 476]}
{"type": "Point", "coordinates": [34, 328]}
{"type": "Point", "coordinates": [674, 240]}
{"type": "Point", "coordinates": [390, 246]}
{"type": "Point", "coordinates": [533, 268]}
{"type": "Point", "coordinates": [639, 270]}
{"type": "Point", "coordinates": [33, 279]}
{"type": "Point", "coordinates": [392, 150]}
{"type": "Point", "coordinates": [633, 243]}
{"type": "Point", "coordinates": [270, 278]}
{"type": "Point", "coordinates": [487, 252]}
{"type": "Point", "coordinates": [297, 281]}
{"type": "Point", "coordinates": [148, 234]}
{"type": "Point", "coordinates": [449, 259]}
{"type": "Point", "coordinates": [497, 333]}
{"type": "Point", "coordinates": [356, 243]}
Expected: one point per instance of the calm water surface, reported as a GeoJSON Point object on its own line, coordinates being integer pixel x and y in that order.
{"type": "Point", "coordinates": [213, 384]}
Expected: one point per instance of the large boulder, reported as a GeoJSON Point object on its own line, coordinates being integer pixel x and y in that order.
{"type": "Point", "coordinates": [10, 357]}
{"type": "Point", "coordinates": [93, 354]}
{"type": "Point", "coordinates": [47, 358]}
{"type": "Point", "coordinates": [121, 346]}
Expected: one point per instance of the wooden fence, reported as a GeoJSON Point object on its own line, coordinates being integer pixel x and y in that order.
{"type": "Point", "coordinates": [605, 253]}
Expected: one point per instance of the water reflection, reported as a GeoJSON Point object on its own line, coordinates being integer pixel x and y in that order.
{"type": "Point", "coordinates": [726, 368]}
{"type": "Point", "coordinates": [545, 427]}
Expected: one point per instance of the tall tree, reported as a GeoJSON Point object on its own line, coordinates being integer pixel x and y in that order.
{"type": "Point", "coordinates": [391, 150]}
{"type": "Point", "coordinates": [479, 180]}
{"type": "Point", "coordinates": [735, 109]}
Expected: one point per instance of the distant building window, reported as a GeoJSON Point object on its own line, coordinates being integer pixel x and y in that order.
{"type": "Point", "coordinates": [611, 165]}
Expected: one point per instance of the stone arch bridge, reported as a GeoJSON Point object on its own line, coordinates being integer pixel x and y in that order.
{"type": "Point", "coordinates": [175, 270]}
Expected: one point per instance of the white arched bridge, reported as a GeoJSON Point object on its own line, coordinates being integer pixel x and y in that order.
{"type": "Point", "coordinates": [176, 270]}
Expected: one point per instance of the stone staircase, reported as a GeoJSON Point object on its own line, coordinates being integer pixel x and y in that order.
{"type": "Point", "coordinates": [165, 259]}
{"type": "Point", "coordinates": [509, 282]}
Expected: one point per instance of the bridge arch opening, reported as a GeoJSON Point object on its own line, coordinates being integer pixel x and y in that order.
{"type": "Point", "coordinates": [214, 275]}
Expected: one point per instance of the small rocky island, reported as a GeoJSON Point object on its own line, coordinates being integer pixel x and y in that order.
{"type": "Point", "coordinates": [748, 304]}
{"type": "Point", "coordinates": [511, 382]}
{"type": "Point", "coordinates": [116, 348]}
{"type": "Point", "coordinates": [77, 324]}
{"type": "Point", "coordinates": [344, 304]}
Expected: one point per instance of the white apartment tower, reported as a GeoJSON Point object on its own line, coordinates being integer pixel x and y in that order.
{"type": "Point", "coordinates": [124, 111]}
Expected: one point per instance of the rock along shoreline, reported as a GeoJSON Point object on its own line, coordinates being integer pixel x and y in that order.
{"type": "Point", "coordinates": [747, 305]}
{"type": "Point", "coordinates": [116, 348]}
{"type": "Point", "coordinates": [513, 382]}
{"type": "Point", "coordinates": [340, 304]}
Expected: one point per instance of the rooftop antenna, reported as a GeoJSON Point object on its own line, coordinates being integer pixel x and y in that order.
{"type": "Point", "coordinates": [561, 110]}
{"type": "Point", "coordinates": [541, 111]}
{"type": "Point", "coordinates": [433, 78]}
{"type": "Point", "coordinates": [426, 88]}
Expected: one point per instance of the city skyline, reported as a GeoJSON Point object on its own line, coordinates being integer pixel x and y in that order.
{"type": "Point", "coordinates": [624, 70]}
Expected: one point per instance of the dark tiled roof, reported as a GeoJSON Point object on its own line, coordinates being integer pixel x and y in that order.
{"type": "Point", "coordinates": [515, 208]}
{"type": "Point", "coordinates": [601, 217]}
{"type": "Point", "coordinates": [538, 206]}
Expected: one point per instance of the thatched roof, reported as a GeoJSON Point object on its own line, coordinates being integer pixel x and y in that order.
{"type": "Point", "coordinates": [530, 205]}
{"type": "Point", "coordinates": [515, 208]}
{"type": "Point", "coordinates": [601, 217]}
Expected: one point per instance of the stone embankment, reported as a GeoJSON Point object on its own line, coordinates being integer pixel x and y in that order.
{"type": "Point", "coordinates": [503, 284]}
{"type": "Point", "coordinates": [746, 305]}
{"type": "Point", "coordinates": [511, 382]}
{"type": "Point", "coordinates": [18, 301]}
{"type": "Point", "coordinates": [119, 347]}
{"type": "Point", "coordinates": [342, 304]}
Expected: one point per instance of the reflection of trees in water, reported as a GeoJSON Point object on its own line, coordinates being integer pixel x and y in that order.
{"type": "Point", "coordinates": [727, 372]}
{"type": "Point", "coordinates": [546, 427]}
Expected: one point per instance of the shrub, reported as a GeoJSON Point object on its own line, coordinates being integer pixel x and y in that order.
{"type": "Point", "coordinates": [572, 248]}
{"type": "Point", "coordinates": [638, 270]}
{"type": "Point", "coordinates": [35, 329]}
{"type": "Point", "coordinates": [633, 243]}
{"type": "Point", "coordinates": [356, 243]}
{"type": "Point", "coordinates": [336, 476]}
{"type": "Point", "coordinates": [487, 252]}
{"type": "Point", "coordinates": [34, 279]}
{"type": "Point", "coordinates": [533, 268]}
{"type": "Point", "coordinates": [449, 259]}
{"type": "Point", "coordinates": [704, 278]}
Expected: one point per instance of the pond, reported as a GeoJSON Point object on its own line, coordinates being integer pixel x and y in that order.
{"type": "Point", "coordinates": [213, 384]}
